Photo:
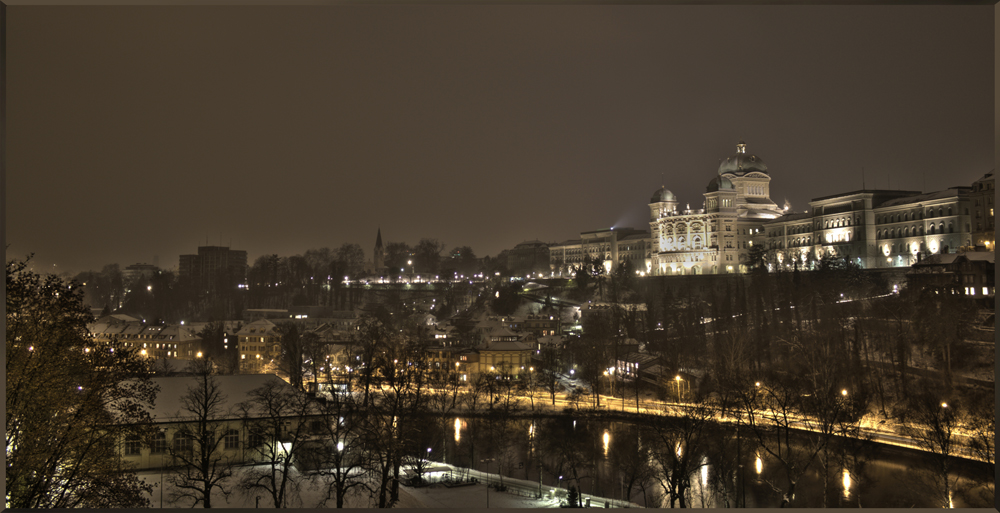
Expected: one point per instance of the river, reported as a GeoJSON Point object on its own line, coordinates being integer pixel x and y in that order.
{"type": "Point", "coordinates": [727, 469]}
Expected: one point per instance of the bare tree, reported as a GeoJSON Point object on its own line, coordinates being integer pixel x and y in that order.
{"type": "Point", "coordinates": [932, 420]}
{"type": "Point", "coordinates": [770, 408]}
{"type": "Point", "coordinates": [681, 442]}
{"type": "Point", "coordinates": [202, 464]}
{"type": "Point", "coordinates": [291, 352]}
{"type": "Point", "coordinates": [277, 417]}
{"type": "Point", "coordinates": [345, 455]}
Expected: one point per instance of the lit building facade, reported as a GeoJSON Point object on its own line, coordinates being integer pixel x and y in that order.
{"type": "Point", "coordinates": [871, 228]}
{"type": "Point", "coordinates": [260, 345]}
{"type": "Point", "coordinates": [981, 201]}
{"type": "Point", "coordinates": [716, 238]}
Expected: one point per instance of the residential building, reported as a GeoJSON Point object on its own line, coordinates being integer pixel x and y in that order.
{"type": "Point", "coordinates": [260, 345]}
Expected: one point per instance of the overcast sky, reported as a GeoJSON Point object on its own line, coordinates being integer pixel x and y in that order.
{"type": "Point", "coordinates": [140, 133]}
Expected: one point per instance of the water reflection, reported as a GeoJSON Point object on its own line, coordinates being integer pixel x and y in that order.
{"type": "Point", "coordinates": [558, 452]}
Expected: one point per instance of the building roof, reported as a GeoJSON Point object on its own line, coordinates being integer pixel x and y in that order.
{"type": "Point", "coordinates": [719, 183]}
{"type": "Point", "coordinates": [503, 332]}
{"type": "Point", "coordinates": [117, 318]}
{"type": "Point", "coordinates": [758, 201]}
{"type": "Point", "coordinates": [169, 405]}
{"type": "Point", "coordinates": [662, 194]}
{"type": "Point", "coordinates": [979, 256]}
{"type": "Point", "coordinates": [742, 162]}
{"type": "Point", "coordinates": [797, 216]}
{"type": "Point", "coordinates": [258, 326]}
{"type": "Point", "coordinates": [947, 193]}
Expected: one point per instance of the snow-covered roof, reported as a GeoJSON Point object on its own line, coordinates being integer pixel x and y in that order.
{"type": "Point", "coordinates": [260, 326]}
{"type": "Point", "coordinates": [979, 256]}
{"type": "Point", "coordinates": [504, 346]}
{"type": "Point", "coordinates": [947, 193]}
{"type": "Point", "coordinates": [169, 406]}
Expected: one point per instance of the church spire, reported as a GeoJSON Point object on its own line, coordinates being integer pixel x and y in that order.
{"type": "Point", "coordinates": [379, 257]}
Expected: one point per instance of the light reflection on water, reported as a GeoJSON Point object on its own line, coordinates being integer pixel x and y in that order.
{"type": "Point", "coordinates": [888, 480]}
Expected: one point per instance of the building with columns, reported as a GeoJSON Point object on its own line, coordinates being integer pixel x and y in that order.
{"type": "Point", "coordinates": [714, 239]}
{"type": "Point", "coordinates": [873, 228]}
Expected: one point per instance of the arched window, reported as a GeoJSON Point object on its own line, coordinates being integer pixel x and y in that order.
{"type": "Point", "coordinates": [951, 228]}
{"type": "Point", "coordinates": [930, 229]}
{"type": "Point", "coordinates": [949, 210]}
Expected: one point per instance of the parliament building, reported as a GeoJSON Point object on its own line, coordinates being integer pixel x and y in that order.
{"type": "Point", "coordinates": [873, 228]}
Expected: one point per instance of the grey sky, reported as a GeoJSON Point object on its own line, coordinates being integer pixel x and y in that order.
{"type": "Point", "coordinates": [136, 132]}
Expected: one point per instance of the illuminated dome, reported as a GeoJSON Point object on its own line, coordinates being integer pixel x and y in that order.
{"type": "Point", "coordinates": [662, 194]}
{"type": "Point", "coordinates": [719, 183]}
{"type": "Point", "coordinates": [742, 163]}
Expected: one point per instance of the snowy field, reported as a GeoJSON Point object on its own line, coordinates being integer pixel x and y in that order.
{"type": "Point", "coordinates": [312, 493]}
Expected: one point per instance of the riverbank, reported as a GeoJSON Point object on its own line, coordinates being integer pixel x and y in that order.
{"type": "Point", "coordinates": [311, 492]}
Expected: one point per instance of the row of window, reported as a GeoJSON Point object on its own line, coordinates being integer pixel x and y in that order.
{"type": "Point", "coordinates": [907, 216]}
{"type": "Point", "coordinates": [915, 231]}
{"type": "Point", "coordinates": [231, 440]}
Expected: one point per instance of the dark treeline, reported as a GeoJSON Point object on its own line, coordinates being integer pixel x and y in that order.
{"type": "Point", "coordinates": [314, 278]}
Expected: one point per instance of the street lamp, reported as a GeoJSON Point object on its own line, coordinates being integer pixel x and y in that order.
{"type": "Point", "coordinates": [487, 462]}
{"type": "Point", "coordinates": [677, 380]}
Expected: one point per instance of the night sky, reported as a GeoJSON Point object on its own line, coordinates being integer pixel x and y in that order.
{"type": "Point", "coordinates": [140, 133]}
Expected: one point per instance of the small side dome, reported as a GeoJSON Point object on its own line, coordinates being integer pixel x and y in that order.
{"type": "Point", "coordinates": [662, 194]}
{"type": "Point", "coordinates": [720, 183]}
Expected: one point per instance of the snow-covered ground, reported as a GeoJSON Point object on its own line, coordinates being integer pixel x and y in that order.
{"type": "Point", "coordinates": [520, 494]}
